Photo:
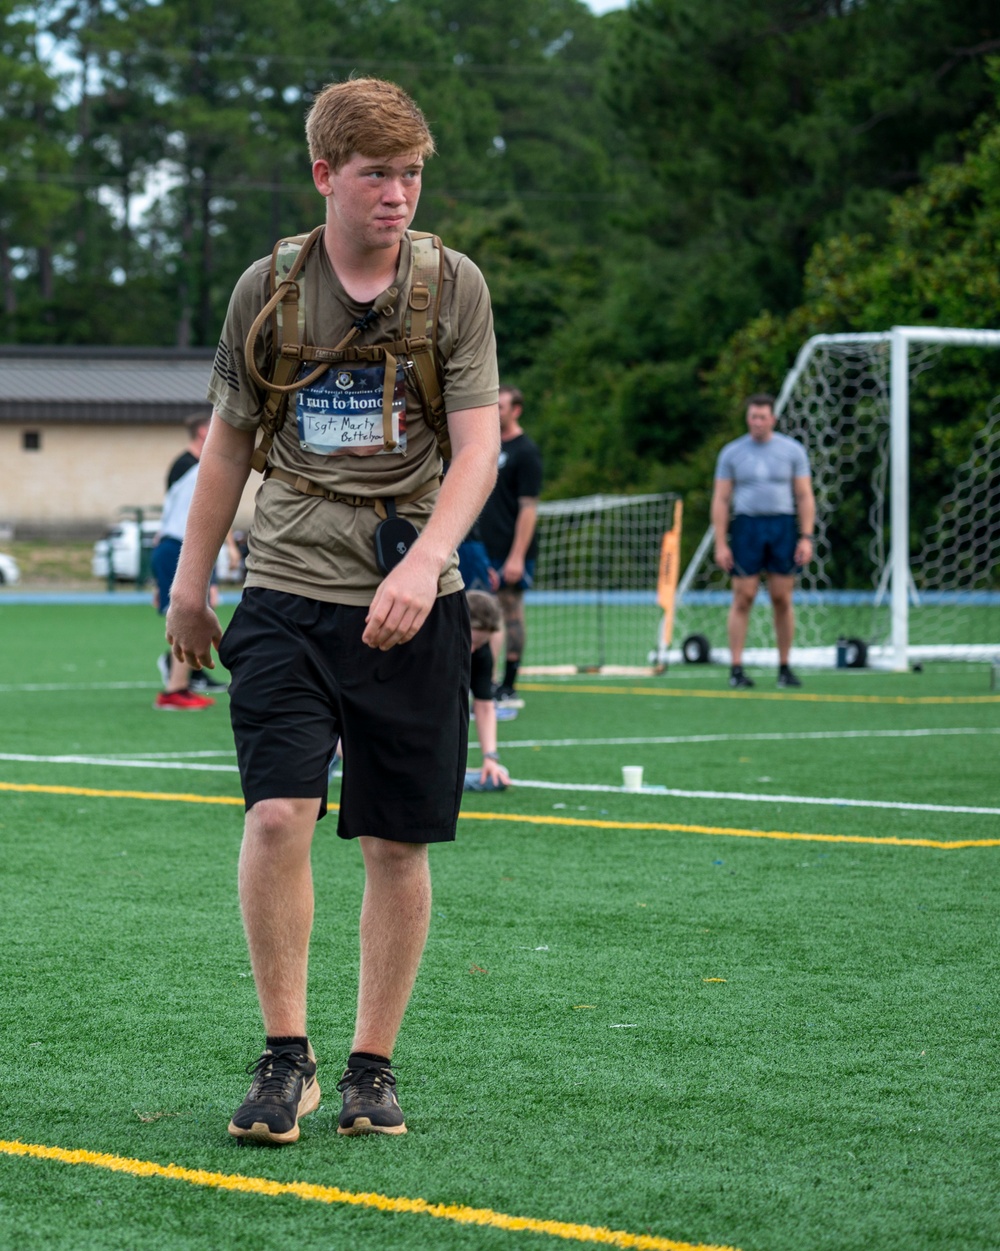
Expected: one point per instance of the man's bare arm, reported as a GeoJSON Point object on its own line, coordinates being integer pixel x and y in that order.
{"type": "Point", "coordinates": [524, 530]}
{"type": "Point", "coordinates": [192, 627]}
{"type": "Point", "coordinates": [722, 496]}
{"type": "Point", "coordinates": [407, 594]}
{"type": "Point", "coordinates": [484, 712]}
{"type": "Point", "coordinates": [805, 508]}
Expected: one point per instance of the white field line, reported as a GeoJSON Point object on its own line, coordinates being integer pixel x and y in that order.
{"type": "Point", "coordinates": [7, 688]}
{"type": "Point", "coordinates": [747, 797]}
{"type": "Point", "coordinates": [168, 761]}
{"type": "Point", "coordinates": [674, 739]}
{"type": "Point", "coordinates": [162, 755]}
{"type": "Point", "coordinates": [116, 762]}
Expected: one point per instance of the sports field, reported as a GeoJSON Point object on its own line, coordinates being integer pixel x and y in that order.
{"type": "Point", "coordinates": [754, 1006]}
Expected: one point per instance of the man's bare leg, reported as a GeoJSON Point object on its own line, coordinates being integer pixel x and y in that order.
{"type": "Point", "coordinates": [180, 675]}
{"type": "Point", "coordinates": [512, 603]}
{"type": "Point", "coordinates": [276, 897]}
{"type": "Point", "coordinates": [395, 918]}
{"type": "Point", "coordinates": [780, 588]}
{"type": "Point", "coordinates": [744, 594]}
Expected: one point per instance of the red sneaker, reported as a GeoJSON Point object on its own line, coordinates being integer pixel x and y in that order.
{"type": "Point", "coordinates": [181, 701]}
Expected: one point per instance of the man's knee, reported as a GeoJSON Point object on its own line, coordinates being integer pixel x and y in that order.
{"type": "Point", "coordinates": [391, 856]}
{"type": "Point", "coordinates": [277, 819]}
{"type": "Point", "coordinates": [780, 591]}
{"type": "Point", "coordinates": [515, 639]}
{"type": "Point", "coordinates": [512, 603]}
{"type": "Point", "coordinates": [744, 596]}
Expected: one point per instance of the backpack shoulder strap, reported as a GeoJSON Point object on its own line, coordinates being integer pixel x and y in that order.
{"type": "Point", "coordinates": [421, 322]}
{"type": "Point", "coordinates": [287, 309]}
{"type": "Point", "coordinates": [425, 285]}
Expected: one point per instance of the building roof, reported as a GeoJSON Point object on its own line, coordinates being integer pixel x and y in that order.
{"type": "Point", "coordinates": [100, 384]}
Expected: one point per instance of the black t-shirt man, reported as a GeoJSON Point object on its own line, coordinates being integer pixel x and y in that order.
{"type": "Point", "coordinates": [519, 476]}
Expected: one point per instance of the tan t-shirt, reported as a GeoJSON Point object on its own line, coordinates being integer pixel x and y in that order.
{"type": "Point", "coordinates": [309, 545]}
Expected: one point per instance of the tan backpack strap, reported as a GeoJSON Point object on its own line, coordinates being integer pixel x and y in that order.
{"type": "Point", "coordinates": [423, 312]}
{"type": "Point", "coordinates": [388, 393]}
{"type": "Point", "coordinates": [287, 259]}
{"type": "Point", "coordinates": [427, 261]}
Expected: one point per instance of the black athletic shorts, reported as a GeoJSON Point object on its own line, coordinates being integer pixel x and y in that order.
{"type": "Point", "coordinates": [300, 678]}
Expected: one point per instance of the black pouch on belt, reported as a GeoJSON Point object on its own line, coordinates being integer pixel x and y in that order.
{"type": "Point", "coordinates": [393, 538]}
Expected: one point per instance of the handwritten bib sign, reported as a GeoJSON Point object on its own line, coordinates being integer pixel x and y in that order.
{"type": "Point", "coordinates": [341, 413]}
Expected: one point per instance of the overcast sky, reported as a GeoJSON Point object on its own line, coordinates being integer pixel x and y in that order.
{"type": "Point", "coordinates": [602, 6]}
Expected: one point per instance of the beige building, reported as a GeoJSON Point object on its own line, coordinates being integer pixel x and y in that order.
{"type": "Point", "coordinates": [88, 432]}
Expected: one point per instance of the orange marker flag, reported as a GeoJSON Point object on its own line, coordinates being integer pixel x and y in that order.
{"type": "Point", "coordinates": [669, 573]}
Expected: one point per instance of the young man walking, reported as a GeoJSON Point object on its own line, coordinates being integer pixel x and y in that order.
{"type": "Point", "coordinates": [325, 644]}
{"type": "Point", "coordinates": [762, 481]}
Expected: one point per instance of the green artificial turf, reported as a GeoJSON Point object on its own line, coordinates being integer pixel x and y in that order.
{"type": "Point", "coordinates": [714, 1038]}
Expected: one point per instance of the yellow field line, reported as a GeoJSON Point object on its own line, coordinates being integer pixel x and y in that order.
{"type": "Point", "coordinates": [784, 696]}
{"type": "Point", "coordinates": [102, 794]}
{"type": "Point", "coordinates": [457, 1212]}
{"type": "Point", "coordinates": [516, 818]}
{"type": "Point", "coordinates": [728, 831]}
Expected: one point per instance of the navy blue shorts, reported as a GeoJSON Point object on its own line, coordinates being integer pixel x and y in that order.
{"type": "Point", "coordinates": [474, 565]}
{"type": "Point", "coordinates": [300, 678]}
{"type": "Point", "coordinates": [166, 554]}
{"type": "Point", "coordinates": [763, 544]}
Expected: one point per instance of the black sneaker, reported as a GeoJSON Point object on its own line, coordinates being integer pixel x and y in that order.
{"type": "Point", "coordinates": [787, 678]}
{"type": "Point", "coordinates": [370, 1105]}
{"type": "Point", "coordinates": [284, 1088]}
{"type": "Point", "coordinates": [739, 680]}
{"type": "Point", "coordinates": [202, 680]}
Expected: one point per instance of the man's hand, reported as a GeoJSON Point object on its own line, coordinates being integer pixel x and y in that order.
{"type": "Point", "coordinates": [402, 602]}
{"type": "Point", "coordinates": [494, 772]}
{"type": "Point", "coordinates": [513, 570]}
{"type": "Point", "coordinates": [803, 550]}
{"type": "Point", "coordinates": [191, 632]}
{"type": "Point", "coordinates": [724, 556]}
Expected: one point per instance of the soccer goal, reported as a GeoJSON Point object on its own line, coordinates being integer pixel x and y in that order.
{"type": "Point", "coordinates": [595, 605]}
{"type": "Point", "coordinates": [898, 576]}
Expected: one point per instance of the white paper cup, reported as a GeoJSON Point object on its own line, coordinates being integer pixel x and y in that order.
{"type": "Point", "coordinates": [632, 777]}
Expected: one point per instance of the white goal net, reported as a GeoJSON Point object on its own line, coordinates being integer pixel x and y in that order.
{"type": "Point", "coordinates": [904, 575]}
{"type": "Point", "coordinates": [594, 605]}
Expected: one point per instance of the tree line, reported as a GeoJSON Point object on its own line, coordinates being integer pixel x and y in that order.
{"type": "Point", "coordinates": [665, 200]}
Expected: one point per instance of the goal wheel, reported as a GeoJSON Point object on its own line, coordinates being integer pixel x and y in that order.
{"type": "Point", "coordinates": [857, 653]}
{"type": "Point", "coordinates": [695, 649]}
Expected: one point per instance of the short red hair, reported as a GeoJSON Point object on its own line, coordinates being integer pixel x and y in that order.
{"type": "Point", "coordinates": [367, 116]}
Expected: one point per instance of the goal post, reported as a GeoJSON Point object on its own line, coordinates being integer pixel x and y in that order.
{"type": "Point", "coordinates": [603, 581]}
{"type": "Point", "coordinates": [906, 579]}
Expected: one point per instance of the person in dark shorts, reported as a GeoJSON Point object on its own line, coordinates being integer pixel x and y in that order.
{"type": "Point", "coordinates": [507, 526]}
{"type": "Point", "coordinates": [338, 635]}
{"type": "Point", "coordinates": [763, 483]}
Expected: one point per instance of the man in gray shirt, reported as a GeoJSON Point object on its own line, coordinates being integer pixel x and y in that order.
{"type": "Point", "coordinates": [763, 512]}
